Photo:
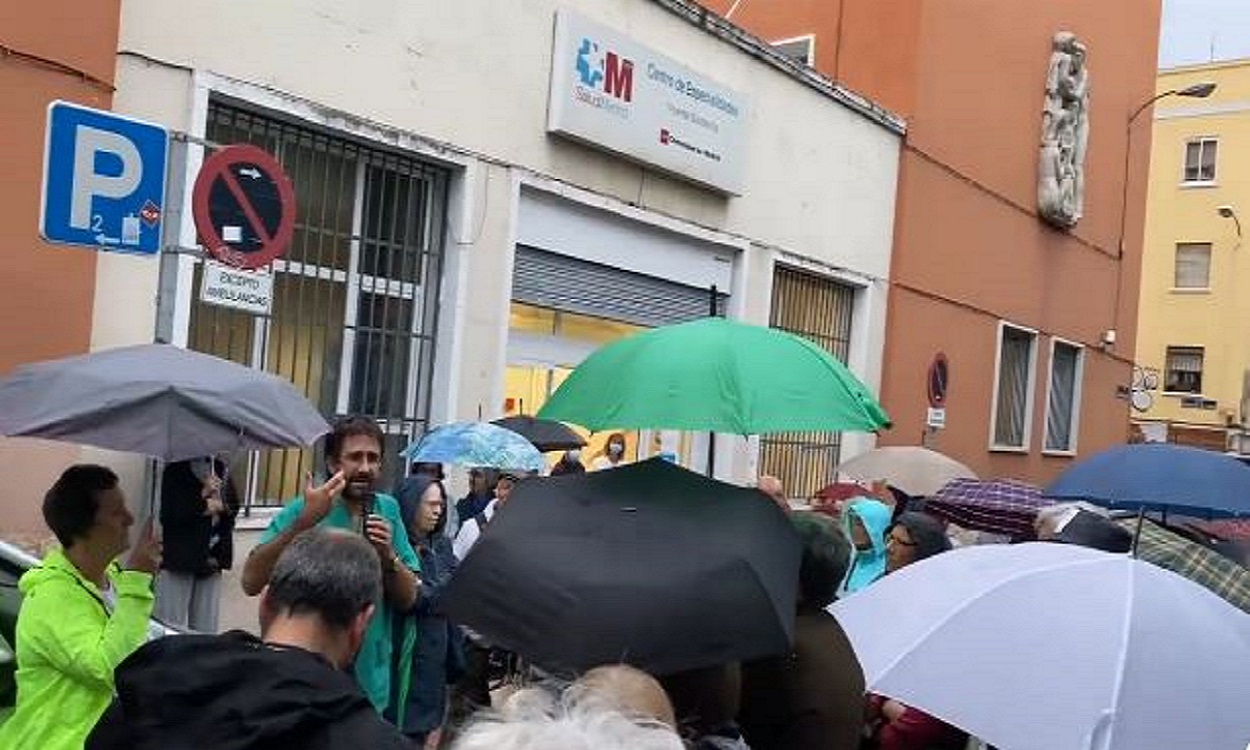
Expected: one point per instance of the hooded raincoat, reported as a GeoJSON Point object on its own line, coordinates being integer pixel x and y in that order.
{"type": "Point", "coordinates": [866, 565]}
{"type": "Point", "coordinates": [68, 644]}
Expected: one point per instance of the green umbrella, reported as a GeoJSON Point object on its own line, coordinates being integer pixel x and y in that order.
{"type": "Point", "coordinates": [717, 375]}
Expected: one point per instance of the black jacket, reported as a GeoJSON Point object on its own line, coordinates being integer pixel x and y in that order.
{"type": "Point", "coordinates": [186, 531]}
{"type": "Point", "coordinates": [233, 692]}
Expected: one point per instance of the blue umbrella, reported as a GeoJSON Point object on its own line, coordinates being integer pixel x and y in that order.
{"type": "Point", "coordinates": [476, 444]}
{"type": "Point", "coordinates": [1158, 477]}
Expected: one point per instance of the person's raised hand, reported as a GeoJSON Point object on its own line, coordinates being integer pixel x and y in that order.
{"type": "Point", "coordinates": [318, 498]}
{"type": "Point", "coordinates": [145, 555]}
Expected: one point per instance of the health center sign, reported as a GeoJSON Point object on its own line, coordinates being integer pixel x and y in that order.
{"type": "Point", "coordinates": [607, 91]}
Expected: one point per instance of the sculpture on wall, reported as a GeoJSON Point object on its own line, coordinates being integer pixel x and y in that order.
{"type": "Point", "coordinates": [1065, 134]}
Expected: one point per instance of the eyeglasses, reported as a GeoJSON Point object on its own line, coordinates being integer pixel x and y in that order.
{"type": "Point", "coordinates": [896, 539]}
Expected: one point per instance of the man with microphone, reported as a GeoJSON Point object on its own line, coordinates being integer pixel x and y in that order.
{"type": "Point", "coordinates": [353, 454]}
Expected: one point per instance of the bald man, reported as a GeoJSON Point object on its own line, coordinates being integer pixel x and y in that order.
{"type": "Point", "coordinates": [630, 691]}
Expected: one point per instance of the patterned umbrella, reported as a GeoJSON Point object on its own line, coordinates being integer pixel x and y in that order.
{"type": "Point", "coordinates": [999, 507]}
{"type": "Point", "coordinates": [476, 444]}
{"type": "Point", "coordinates": [1199, 564]}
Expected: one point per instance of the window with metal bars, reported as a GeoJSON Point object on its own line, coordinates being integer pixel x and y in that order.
{"type": "Point", "coordinates": [355, 300]}
{"type": "Point", "coordinates": [820, 310]}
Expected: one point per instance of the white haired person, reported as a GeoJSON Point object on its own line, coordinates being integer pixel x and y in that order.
{"type": "Point", "coordinates": [535, 719]}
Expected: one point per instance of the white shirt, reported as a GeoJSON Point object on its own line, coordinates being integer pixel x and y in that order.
{"type": "Point", "coordinates": [471, 530]}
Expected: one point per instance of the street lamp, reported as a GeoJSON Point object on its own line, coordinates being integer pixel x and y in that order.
{"type": "Point", "coordinates": [1199, 90]}
{"type": "Point", "coordinates": [1228, 213]}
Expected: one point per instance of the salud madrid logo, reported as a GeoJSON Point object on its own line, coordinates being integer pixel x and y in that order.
{"type": "Point", "coordinates": [606, 78]}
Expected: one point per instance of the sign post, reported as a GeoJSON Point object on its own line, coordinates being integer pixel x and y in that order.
{"type": "Point", "coordinates": [103, 180]}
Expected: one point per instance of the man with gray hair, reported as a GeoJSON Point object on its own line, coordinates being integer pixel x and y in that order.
{"type": "Point", "coordinates": [535, 719]}
{"type": "Point", "coordinates": [292, 687]}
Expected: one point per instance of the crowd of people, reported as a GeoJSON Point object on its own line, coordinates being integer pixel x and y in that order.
{"type": "Point", "coordinates": [355, 648]}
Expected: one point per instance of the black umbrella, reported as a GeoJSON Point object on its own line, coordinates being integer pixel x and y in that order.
{"type": "Point", "coordinates": [649, 564]}
{"type": "Point", "coordinates": [545, 434]}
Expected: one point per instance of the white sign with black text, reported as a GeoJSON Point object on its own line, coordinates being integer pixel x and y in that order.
{"type": "Point", "coordinates": [936, 419]}
{"type": "Point", "coordinates": [249, 291]}
{"type": "Point", "coordinates": [610, 92]}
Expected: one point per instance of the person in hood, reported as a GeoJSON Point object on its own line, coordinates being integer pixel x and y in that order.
{"type": "Point", "coordinates": [290, 688]}
{"type": "Point", "coordinates": [438, 659]}
{"type": "Point", "coordinates": [865, 522]}
{"type": "Point", "coordinates": [82, 613]}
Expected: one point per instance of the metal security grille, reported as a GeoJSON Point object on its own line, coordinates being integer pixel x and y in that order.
{"type": "Point", "coordinates": [355, 301]}
{"type": "Point", "coordinates": [820, 310]}
{"type": "Point", "coordinates": [561, 282]}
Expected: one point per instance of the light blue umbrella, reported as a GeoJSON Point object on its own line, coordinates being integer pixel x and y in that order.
{"type": "Point", "coordinates": [476, 444]}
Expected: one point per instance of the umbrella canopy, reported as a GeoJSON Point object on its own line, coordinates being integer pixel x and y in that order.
{"type": "Point", "coordinates": [718, 375]}
{"type": "Point", "coordinates": [1203, 565]}
{"type": "Point", "coordinates": [545, 434]}
{"type": "Point", "coordinates": [1158, 476]}
{"type": "Point", "coordinates": [1043, 646]}
{"type": "Point", "coordinates": [998, 507]}
{"type": "Point", "coordinates": [916, 471]}
{"type": "Point", "coordinates": [158, 400]}
{"type": "Point", "coordinates": [476, 444]}
{"type": "Point", "coordinates": [649, 564]}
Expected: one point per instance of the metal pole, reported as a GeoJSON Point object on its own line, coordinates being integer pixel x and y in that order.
{"type": "Point", "coordinates": [167, 283]}
{"type": "Point", "coordinates": [713, 311]}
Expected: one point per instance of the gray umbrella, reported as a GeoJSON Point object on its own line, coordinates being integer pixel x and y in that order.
{"type": "Point", "coordinates": [159, 400]}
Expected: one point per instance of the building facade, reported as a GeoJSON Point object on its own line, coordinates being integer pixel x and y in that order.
{"type": "Point", "coordinates": [1191, 384]}
{"type": "Point", "coordinates": [67, 51]}
{"type": "Point", "coordinates": [469, 226]}
{"type": "Point", "coordinates": [1036, 324]}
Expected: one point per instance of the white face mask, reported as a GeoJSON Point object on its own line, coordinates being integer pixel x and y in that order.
{"type": "Point", "coordinates": [573, 456]}
{"type": "Point", "coordinates": [615, 449]}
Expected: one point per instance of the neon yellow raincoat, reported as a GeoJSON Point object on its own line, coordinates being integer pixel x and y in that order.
{"type": "Point", "coordinates": [68, 645]}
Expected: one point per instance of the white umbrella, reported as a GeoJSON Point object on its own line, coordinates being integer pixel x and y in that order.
{"type": "Point", "coordinates": [914, 470]}
{"type": "Point", "coordinates": [1057, 647]}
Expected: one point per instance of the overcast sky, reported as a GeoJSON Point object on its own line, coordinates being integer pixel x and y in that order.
{"type": "Point", "coordinates": [1190, 27]}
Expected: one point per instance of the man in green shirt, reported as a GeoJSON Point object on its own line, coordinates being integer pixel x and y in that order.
{"type": "Point", "coordinates": [353, 452]}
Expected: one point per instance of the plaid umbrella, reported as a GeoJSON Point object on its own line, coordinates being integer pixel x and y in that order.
{"type": "Point", "coordinates": [999, 506]}
{"type": "Point", "coordinates": [1199, 564]}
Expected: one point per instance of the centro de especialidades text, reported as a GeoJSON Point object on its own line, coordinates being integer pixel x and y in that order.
{"type": "Point", "coordinates": [690, 89]}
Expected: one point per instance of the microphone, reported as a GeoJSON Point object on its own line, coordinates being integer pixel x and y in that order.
{"type": "Point", "coordinates": [367, 502]}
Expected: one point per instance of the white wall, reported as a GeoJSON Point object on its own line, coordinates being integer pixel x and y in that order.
{"type": "Point", "coordinates": [467, 82]}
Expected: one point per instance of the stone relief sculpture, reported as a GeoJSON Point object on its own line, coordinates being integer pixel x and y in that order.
{"type": "Point", "coordinates": [1065, 134]}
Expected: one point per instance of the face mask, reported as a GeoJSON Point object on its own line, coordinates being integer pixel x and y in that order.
{"type": "Point", "coordinates": [615, 449]}
{"type": "Point", "coordinates": [573, 456]}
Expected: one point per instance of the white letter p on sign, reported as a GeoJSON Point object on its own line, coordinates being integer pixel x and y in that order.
{"type": "Point", "coordinates": [88, 183]}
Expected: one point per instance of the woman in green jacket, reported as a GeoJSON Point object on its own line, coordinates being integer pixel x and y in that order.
{"type": "Point", "coordinates": [82, 613]}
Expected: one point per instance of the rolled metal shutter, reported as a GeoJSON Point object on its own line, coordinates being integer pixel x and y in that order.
{"type": "Point", "coordinates": [561, 282]}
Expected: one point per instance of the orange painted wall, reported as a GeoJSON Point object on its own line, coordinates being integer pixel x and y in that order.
{"type": "Point", "coordinates": [46, 292]}
{"type": "Point", "coordinates": [969, 76]}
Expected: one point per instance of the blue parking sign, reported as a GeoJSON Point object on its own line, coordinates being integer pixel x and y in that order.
{"type": "Point", "coordinates": [103, 180]}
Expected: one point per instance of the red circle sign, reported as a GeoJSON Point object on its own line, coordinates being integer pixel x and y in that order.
{"type": "Point", "coordinates": [244, 206]}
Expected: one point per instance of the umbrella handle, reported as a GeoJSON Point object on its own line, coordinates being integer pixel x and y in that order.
{"type": "Point", "coordinates": [1141, 517]}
